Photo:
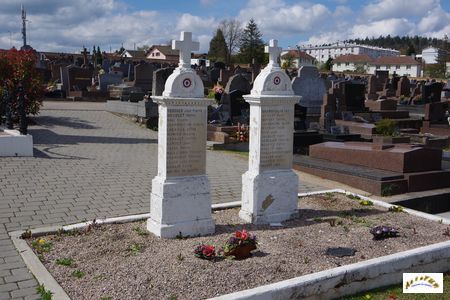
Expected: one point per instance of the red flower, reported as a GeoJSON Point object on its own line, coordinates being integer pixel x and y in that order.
{"type": "Point", "coordinates": [244, 235]}
{"type": "Point", "coordinates": [209, 251]}
{"type": "Point", "coordinates": [237, 234]}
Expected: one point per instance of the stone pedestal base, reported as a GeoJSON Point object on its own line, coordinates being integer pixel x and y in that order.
{"type": "Point", "coordinates": [12, 143]}
{"type": "Point", "coordinates": [269, 197]}
{"type": "Point", "coordinates": [180, 206]}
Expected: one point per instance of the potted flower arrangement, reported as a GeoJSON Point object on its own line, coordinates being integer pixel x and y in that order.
{"type": "Point", "coordinates": [240, 245]}
{"type": "Point", "coordinates": [205, 251]}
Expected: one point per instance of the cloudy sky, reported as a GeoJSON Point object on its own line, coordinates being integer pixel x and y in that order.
{"type": "Point", "coordinates": [67, 25]}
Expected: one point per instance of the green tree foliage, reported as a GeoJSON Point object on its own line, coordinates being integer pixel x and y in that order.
{"type": "Point", "coordinates": [403, 43]}
{"type": "Point", "coordinates": [218, 47]}
{"type": "Point", "coordinates": [252, 45]}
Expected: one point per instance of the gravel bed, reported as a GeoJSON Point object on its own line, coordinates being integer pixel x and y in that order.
{"type": "Point", "coordinates": [120, 261]}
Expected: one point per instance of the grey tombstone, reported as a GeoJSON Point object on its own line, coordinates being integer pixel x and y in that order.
{"type": "Point", "coordinates": [311, 86]}
{"type": "Point", "coordinates": [232, 102]}
{"type": "Point", "coordinates": [159, 80]}
{"type": "Point", "coordinates": [108, 79]}
{"type": "Point", "coordinates": [143, 76]}
{"type": "Point", "coordinates": [65, 77]}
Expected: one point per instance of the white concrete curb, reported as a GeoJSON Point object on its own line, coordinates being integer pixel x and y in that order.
{"type": "Point", "coordinates": [337, 282]}
{"type": "Point", "coordinates": [354, 278]}
{"type": "Point", "coordinates": [37, 268]}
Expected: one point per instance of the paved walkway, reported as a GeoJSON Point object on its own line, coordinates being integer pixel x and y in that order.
{"type": "Point", "coordinates": [88, 164]}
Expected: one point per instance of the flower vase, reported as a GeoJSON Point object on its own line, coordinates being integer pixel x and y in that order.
{"type": "Point", "coordinates": [242, 251]}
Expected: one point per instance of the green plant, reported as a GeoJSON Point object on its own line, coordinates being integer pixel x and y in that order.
{"type": "Point", "coordinates": [140, 231]}
{"type": "Point", "coordinates": [353, 197]}
{"type": "Point", "coordinates": [385, 127]}
{"type": "Point", "coordinates": [106, 298]}
{"type": "Point", "coordinates": [180, 257]}
{"type": "Point", "coordinates": [45, 294]}
{"type": "Point", "coordinates": [41, 245]}
{"type": "Point", "coordinates": [173, 297]}
{"type": "Point", "coordinates": [396, 208]}
{"type": "Point", "coordinates": [135, 248]}
{"type": "Point", "coordinates": [306, 260]}
{"type": "Point", "coordinates": [78, 274]}
{"type": "Point", "coordinates": [317, 219]}
{"type": "Point", "coordinates": [68, 262]}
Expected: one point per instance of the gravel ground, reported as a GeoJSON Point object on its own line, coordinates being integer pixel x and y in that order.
{"type": "Point", "coordinates": [120, 261]}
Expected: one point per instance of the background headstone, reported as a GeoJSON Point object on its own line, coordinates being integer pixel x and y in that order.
{"type": "Point", "coordinates": [159, 80]}
{"type": "Point", "coordinates": [311, 86]}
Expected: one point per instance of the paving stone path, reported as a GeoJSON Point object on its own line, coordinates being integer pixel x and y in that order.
{"type": "Point", "coordinates": [88, 164]}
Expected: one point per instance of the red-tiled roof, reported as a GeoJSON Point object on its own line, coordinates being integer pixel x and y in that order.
{"type": "Point", "coordinates": [353, 58]}
{"type": "Point", "coordinates": [298, 54]}
{"type": "Point", "coordinates": [395, 60]}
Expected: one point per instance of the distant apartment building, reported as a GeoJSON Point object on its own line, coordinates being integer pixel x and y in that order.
{"type": "Point", "coordinates": [323, 53]}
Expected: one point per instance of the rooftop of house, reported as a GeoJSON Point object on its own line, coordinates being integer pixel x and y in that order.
{"type": "Point", "coordinates": [353, 58]}
{"type": "Point", "coordinates": [297, 54]}
{"type": "Point", "coordinates": [136, 53]}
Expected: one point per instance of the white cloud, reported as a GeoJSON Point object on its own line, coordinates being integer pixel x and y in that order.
{"type": "Point", "coordinates": [383, 27]}
{"type": "Point", "coordinates": [388, 9]}
{"type": "Point", "coordinates": [280, 19]}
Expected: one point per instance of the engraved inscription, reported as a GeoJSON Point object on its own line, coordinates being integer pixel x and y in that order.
{"type": "Point", "coordinates": [186, 133]}
{"type": "Point", "coordinates": [276, 138]}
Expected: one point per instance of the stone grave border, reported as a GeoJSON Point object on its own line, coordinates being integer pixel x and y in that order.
{"type": "Point", "coordinates": [336, 282]}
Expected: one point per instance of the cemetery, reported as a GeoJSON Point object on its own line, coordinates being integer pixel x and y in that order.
{"type": "Point", "coordinates": [274, 242]}
{"type": "Point", "coordinates": [157, 174]}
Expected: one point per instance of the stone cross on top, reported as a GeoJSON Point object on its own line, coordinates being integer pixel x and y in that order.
{"type": "Point", "coordinates": [185, 45]}
{"type": "Point", "coordinates": [274, 52]}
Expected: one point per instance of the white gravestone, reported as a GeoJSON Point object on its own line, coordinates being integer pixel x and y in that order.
{"type": "Point", "coordinates": [181, 197]}
{"type": "Point", "coordinates": [270, 187]}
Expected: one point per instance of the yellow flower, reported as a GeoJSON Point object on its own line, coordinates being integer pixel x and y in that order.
{"type": "Point", "coordinates": [41, 241]}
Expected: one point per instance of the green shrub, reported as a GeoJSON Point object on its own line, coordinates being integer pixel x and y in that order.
{"type": "Point", "coordinates": [385, 127]}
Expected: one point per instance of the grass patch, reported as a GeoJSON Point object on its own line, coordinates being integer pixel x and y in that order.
{"type": "Point", "coordinates": [45, 294]}
{"type": "Point", "coordinates": [68, 262]}
{"type": "Point", "coordinates": [78, 274]}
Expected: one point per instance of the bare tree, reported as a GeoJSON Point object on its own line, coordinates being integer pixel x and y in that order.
{"type": "Point", "coordinates": [232, 32]}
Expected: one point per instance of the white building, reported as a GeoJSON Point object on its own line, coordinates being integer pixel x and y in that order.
{"type": "Point", "coordinates": [431, 55]}
{"type": "Point", "coordinates": [350, 62]}
{"type": "Point", "coordinates": [299, 58]}
{"type": "Point", "coordinates": [323, 53]}
{"type": "Point", "coordinates": [401, 65]}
